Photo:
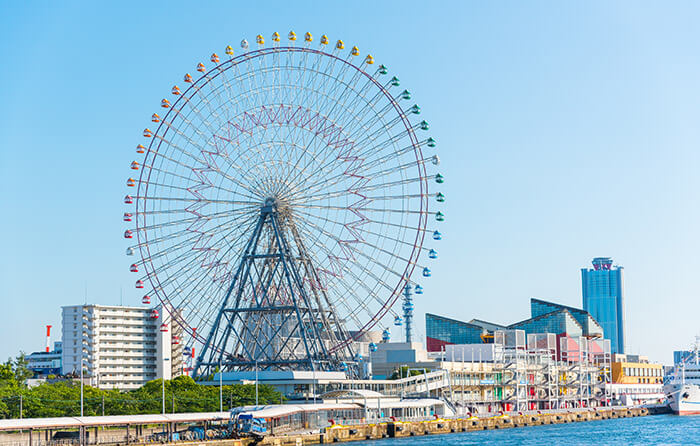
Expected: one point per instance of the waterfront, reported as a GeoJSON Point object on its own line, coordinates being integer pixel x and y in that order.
{"type": "Point", "coordinates": [661, 429]}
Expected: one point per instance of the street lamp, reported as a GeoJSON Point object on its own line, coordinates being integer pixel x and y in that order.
{"type": "Point", "coordinates": [82, 354]}
{"type": "Point", "coordinates": [256, 382]}
{"type": "Point", "coordinates": [163, 384]}
{"type": "Point", "coordinates": [221, 391]}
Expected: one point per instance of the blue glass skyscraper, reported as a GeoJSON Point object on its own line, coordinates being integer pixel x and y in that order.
{"type": "Point", "coordinates": [603, 297]}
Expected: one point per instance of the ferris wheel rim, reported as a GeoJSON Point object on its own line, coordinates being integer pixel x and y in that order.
{"type": "Point", "coordinates": [153, 151]}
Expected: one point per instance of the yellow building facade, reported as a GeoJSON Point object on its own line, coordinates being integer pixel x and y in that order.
{"type": "Point", "coordinates": [637, 373]}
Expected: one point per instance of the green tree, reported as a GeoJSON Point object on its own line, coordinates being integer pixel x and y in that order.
{"type": "Point", "coordinates": [404, 371]}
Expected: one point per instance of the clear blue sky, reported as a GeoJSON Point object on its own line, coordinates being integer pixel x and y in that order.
{"type": "Point", "coordinates": [567, 130]}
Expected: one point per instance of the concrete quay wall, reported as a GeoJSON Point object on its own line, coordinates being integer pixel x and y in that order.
{"type": "Point", "coordinates": [395, 429]}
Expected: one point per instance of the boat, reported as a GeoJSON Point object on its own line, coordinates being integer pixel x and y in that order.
{"type": "Point", "coordinates": [682, 387]}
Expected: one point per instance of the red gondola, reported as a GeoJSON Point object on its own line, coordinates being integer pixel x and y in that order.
{"type": "Point", "coordinates": [128, 216]}
{"type": "Point", "coordinates": [139, 284]}
{"type": "Point", "coordinates": [188, 78]}
{"type": "Point", "coordinates": [165, 103]}
{"type": "Point", "coordinates": [140, 149]}
{"type": "Point", "coordinates": [128, 199]}
{"type": "Point", "coordinates": [134, 165]}
{"type": "Point", "coordinates": [133, 268]}
{"type": "Point", "coordinates": [155, 117]}
{"type": "Point", "coordinates": [175, 90]}
{"type": "Point", "coordinates": [146, 299]}
{"type": "Point", "coordinates": [164, 328]}
{"type": "Point", "coordinates": [154, 314]}
{"type": "Point", "coordinates": [131, 182]}
{"type": "Point", "coordinates": [176, 340]}
{"type": "Point", "coordinates": [128, 234]}
{"type": "Point", "coordinates": [200, 67]}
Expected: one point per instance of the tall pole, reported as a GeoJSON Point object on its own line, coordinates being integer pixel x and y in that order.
{"type": "Point", "coordinates": [408, 312]}
{"type": "Point", "coordinates": [81, 383]}
{"type": "Point", "coordinates": [313, 381]}
{"type": "Point", "coordinates": [256, 382]}
{"type": "Point", "coordinates": [163, 386]}
{"type": "Point", "coordinates": [20, 407]}
{"type": "Point", "coordinates": [221, 388]}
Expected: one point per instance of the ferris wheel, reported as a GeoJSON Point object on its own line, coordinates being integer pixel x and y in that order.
{"type": "Point", "coordinates": [282, 204]}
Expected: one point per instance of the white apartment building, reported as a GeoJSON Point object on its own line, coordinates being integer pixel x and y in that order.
{"type": "Point", "coordinates": [122, 347]}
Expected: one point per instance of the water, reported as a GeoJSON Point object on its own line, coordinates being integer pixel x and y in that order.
{"type": "Point", "coordinates": [651, 430]}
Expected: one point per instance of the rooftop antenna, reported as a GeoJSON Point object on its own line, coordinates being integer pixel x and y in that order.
{"type": "Point", "coordinates": [85, 292]}
{"type": "Point", "coordinates": [121, 296]}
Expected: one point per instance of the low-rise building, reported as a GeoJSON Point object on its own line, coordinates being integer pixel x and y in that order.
{"type": "Point", "coordinates": [441, 331]}
{"type": "Point", "coordinates": [635, 380]}
{"type": "Point", "coordinates": [46, 362]}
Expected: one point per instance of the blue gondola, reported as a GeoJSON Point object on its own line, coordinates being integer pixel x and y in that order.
{"type": "Point", "coordinates": [419, 289]}
{"type": "Point", "coordinates": [426, 272]}
{"type": "Point", "coordinates": [372, 347]}
{"type": "Point", "coordinates": [344, 366]}
{"type": "Point", "coordinates": [432, 254]}
{"type": "Point", "coordinates": [398, 321]}
{"type": "Point", "coordinates": [437, 235]}
{"type": "Point", "coordinates": [386, 335]}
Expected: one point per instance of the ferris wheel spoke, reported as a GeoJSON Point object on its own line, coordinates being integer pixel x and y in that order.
{"type": "Point", "coordinates": [360, 208]}
{"type": "Point", "coordinates": [241, 212]}
{"type": "Point", "coordinates": [204, 252]}
{"type": "Point", "coordinates": [186, 243]}
{"type": "Point", "coordinates": [193, 200]}
{"type": "Point", "coordinates": [359, 241]}
{"type": "Point", "coordinates": [176, 234]}
{"type": "Point", "coordinates": [370, 186]}
{"type": "Point", "coordinates": [330, 162]}
{"type": "Point", "coordinates": [226, 254]}
{"type": "Point", "coordinates": [360, 282]}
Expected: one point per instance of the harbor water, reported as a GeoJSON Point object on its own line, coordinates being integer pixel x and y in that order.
{"type": "Point", "coordinates": [650, 430]}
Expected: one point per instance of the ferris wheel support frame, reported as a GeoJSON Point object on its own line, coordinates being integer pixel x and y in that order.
{"type": "Point", "coordinates": [309, 320]}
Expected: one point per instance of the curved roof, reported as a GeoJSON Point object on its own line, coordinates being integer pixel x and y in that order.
{"type": "Point", "coordinates": [112, 420]}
